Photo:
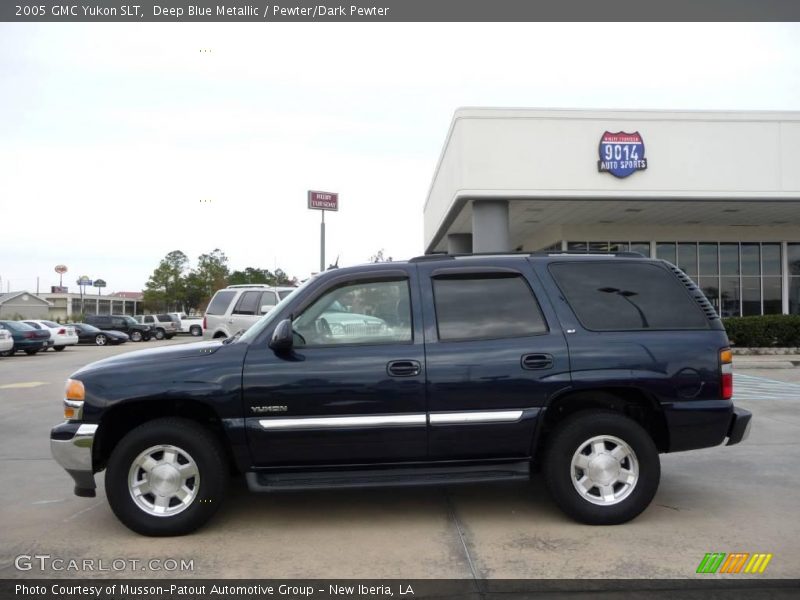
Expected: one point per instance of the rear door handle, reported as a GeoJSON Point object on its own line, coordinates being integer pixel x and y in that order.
{"type": "Point", "coordinates": [536, 361]}
{"type": "Point", "coordinates": [403, 368]}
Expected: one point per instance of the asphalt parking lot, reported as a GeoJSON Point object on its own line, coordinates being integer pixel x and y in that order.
{"type": "Point", "coordinates": [727, 499]}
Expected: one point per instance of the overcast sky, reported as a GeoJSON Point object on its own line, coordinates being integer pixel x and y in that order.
{"type": "Point", "coordinates": [112, 134]}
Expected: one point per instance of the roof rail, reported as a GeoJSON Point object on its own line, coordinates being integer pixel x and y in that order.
{"type": "Point", "coordinates": [441, 255]}
{"type": "Point", "coordinates": [255, 285]}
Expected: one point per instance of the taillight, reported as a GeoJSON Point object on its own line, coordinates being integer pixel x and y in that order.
{"type": "Point", "coordinates": [204, 323]}
{"type": "Point", "coordinates": [62, 331]}
{"type": "Point", "coordinates": [30, 334]}
{"type": "Point", "coordinates": [726, 373]}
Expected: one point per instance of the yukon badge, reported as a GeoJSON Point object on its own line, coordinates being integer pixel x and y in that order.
{"type": "Point", "coordinates": [268, 409]}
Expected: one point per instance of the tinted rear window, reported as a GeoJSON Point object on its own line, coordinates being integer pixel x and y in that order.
{"type": "Point", "coordinates": [51, 324]}
{"type": "Point", "coordinates": [623, 296]}
{"type": "Point", "coordinates": [486, 307]}
{"type": "Point", "coordinates": [219, 304]}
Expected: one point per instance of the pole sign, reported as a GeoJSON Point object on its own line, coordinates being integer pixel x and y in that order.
{"type": "Point", "coordinates": [84, 280]}
{"type": "Point", "coordinates": [99, 283]}
{"type": "Point", "coordinates": [621, 153]}
{"type": "Point", "coordinates": [323, 200]}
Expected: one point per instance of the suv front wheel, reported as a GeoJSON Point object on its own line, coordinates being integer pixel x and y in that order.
{"type": "Point", "coordinates": [166, 477]}
{"type": "Point", "coordinates": [601, 467]}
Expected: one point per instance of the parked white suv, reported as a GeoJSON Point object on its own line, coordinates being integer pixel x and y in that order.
{"type": "Point", "coordinates": [237, 307]}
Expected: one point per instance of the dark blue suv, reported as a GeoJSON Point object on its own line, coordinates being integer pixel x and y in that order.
{"type": "Point", "coordinates": [439, 370]}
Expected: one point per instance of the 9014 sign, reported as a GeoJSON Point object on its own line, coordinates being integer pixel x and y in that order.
{"type": "Point", "coordinates": [621, 153]}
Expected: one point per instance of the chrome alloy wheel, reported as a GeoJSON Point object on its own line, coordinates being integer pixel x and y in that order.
{"type": "Point", "coordinates": [163, 480]}
{"type": "Point", "coordinates": [604, 470]}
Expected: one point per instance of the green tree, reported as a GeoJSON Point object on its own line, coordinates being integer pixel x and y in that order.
{"type": "Point", "coordinates": [379, 257]}
{"type": "Point", "coordinates": [211, 273]}
{"type": "Point", "coordinates": [165, 290]}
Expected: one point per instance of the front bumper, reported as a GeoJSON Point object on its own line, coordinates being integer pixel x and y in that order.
{"type": "Point", "coordinates": [740, 426]}
{"type": "Point", "coordinates": [71, 446]}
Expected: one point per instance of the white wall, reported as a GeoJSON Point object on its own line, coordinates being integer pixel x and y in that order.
{"type": "Point", "coordinates": [524, 153]}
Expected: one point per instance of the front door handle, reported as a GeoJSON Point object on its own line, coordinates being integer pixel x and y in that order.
{"type": "Point", "coordinates": [403, 368]}
{"type": "Point", "coordinates": [536, 361]}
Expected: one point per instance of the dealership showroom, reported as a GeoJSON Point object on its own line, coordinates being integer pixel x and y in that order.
{"type": "Point", "coordinates": [717, 193]}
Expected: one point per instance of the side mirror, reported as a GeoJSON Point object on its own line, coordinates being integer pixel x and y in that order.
{"type": "Point", "coordinates": [282, 337]}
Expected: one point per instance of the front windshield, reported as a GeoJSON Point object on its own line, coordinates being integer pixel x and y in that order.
{"type": "Point", "coordinates": [264, 321]}
{"type": "Point", "coordinates": [131, 321]}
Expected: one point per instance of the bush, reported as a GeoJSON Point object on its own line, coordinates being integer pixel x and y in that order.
{"type": "Point", "coordinates": [780, 331]}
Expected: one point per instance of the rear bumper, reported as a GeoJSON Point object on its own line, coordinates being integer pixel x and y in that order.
{"type": "Point", "coordinates": [71, 447]}
{"type": "Point", "coordinates": [740, 426]}
{"type": "Point", "coordinates": [704, 423]}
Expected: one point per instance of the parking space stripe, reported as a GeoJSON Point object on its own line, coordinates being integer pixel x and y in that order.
{"type": "Point", "coordinates": [22, 385]}
{"type": "Point", "coordinates": [750, 387]}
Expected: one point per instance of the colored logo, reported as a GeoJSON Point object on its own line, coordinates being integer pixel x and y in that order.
{"type": "Point", "coordinates": [736, 562]}
{"type": "Point", "coordinates": [621, 153]}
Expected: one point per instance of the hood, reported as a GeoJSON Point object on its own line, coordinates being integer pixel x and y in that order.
{"type": "Point", "coordinates": [157, 355]}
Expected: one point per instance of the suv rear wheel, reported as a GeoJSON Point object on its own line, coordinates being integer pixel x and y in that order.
{"type": "Point", "coordinates": [166, 477]}
{"type": "Point", "coordinates": [601, 467]}
{"type": "Point", "coordinates": [160, 334]}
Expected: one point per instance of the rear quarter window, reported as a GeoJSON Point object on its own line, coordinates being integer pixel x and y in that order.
{"type": "Point", "coordinates": [220, 302]}
{"type": "Point", "coordinates": [625, 296]}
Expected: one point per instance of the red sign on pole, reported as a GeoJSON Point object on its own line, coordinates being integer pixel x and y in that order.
{"type": "Point", "coordinates": [323, 200]}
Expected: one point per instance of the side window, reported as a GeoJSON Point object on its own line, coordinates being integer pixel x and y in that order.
{"type": "Point", "coordinates": [248, 304]}
{"type": "Point", "coordinates": [117, 322]}
{"type": "Point", "coordinates": [481, 307]}
{"type": "Point", "coordinates": [377, 312]}
{"type": "Point", "coordinates": [220, 302]}
{"type": "Point", "coordinates": [268, 299]}
{"type": "Point", "coordinates": [626, 296]}
{"type": "Point", "coordinates": [148, 319]}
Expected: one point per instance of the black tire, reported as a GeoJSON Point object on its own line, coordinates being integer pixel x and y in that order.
{"type": "Point", "coordinates": [7, 352]}
{"type": "Point", "coordinates": [32, 351]}
{"type": "Point", "coordinates": [160, 334]}
{"type": "Point", "coordinates": [170, 336]}
{"type": "Point", "coordinates": [196, 330]}
{"type": "Point", "coordinates": [136, 335]}
{"type": "Point", "coordinates": [58, 348]}
{"type": "Point", "coordinates": [101, 339]}
{"type": "Point", "coordinates": [189, 437]}
{"type": "Point", "coordinates": [575, 432]}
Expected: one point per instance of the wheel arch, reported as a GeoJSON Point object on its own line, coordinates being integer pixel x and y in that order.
{"type": "Point", "coordinates": [629, 401]}
{"type": "Point", "coordinates": [119, 420]}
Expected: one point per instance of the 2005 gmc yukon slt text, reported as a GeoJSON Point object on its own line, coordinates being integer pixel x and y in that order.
{"type": "Point", "coordinates": [438, 370]}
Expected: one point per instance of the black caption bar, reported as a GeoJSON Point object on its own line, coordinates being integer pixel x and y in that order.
{"type": "Point", "coordinates": [398, 10]}
{"type": "Point", "coordinates": [375, 589]}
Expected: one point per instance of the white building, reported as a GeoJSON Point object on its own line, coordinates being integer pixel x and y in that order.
{"type": "Point", "coordinates": [717, 193]}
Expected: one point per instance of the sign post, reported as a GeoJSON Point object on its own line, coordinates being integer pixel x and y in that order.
{"type": "Point", "coordinates": [82, 282]}
{"type": "Point", "coordinates": [322, 201]}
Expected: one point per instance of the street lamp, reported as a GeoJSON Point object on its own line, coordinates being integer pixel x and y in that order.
{"type": "Point", "coordinates": [626, 295]}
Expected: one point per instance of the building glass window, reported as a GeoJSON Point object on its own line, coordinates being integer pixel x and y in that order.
{"type": "Point", "coordinates": [751, 259]}
{"type": "Point", "coordinates": [793, 258]}
{"type": "Point", "coordinates": [771, 259]}
{"type": "Point", "coordinates": [729, 259]}
{"type": "Point", "coordinates": [773, 302]}
{"type": "Point", "coordinates": [618, 247]}
{"type": "Point", "coordinates": [687, 258]}
{"type": "Point", "coordinates": [709, 259]}
{"type": "Point", "coordinates": [642, 248]}
{"type": "Point", "coordinates": [666, 251]}
{"type": "Point", "coordinates": [577, 246]}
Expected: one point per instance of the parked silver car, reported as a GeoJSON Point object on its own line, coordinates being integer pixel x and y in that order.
{"type": "Point", "coordinates": [237, 307]}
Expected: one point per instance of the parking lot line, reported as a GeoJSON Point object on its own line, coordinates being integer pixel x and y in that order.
{"type": "Point", "coordinates": [24, 384]}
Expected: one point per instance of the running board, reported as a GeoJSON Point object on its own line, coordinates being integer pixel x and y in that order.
{"type": "Point", "coordinates": [270, 481]}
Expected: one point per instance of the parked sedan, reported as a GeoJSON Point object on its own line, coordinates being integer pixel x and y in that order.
{"type": "Point", "coordinates": [89, 334]}
{"type": "Point", "coordinates": [26, 338]}
{"type": "Point", "coordinates": [61, 336]}
{"type": "Point", "coordinates": [6, 341]}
